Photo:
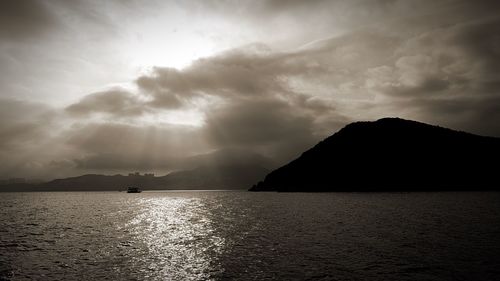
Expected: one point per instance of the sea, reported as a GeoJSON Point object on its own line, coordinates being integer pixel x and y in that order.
{"type": "Point", "coordinates": [237, 235]}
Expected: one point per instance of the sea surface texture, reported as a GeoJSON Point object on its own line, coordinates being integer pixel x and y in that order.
{"type": "Point", "coordinates": [249, 236]}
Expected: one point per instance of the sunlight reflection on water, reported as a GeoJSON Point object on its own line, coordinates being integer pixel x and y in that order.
{"type": "Point", "coordinates": [179, 237]}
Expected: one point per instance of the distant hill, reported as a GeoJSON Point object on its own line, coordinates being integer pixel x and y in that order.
{"type": "Point", "coordinates": [392, 154]}
{"type": "Point", "coordinates": [203, 177]}
{"type": "Point", "coordinates": [228, 169]}
{"type": "Point", "coordinates": [214, 177]}
{"type": "Point", "coordinates": [100, 182]}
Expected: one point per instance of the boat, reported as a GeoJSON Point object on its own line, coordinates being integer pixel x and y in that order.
{"type": "Point", "coordinates": [133, 190]}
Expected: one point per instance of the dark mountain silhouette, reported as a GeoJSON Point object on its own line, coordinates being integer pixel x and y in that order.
{"type": "Point", "coordinates": [392, 154]}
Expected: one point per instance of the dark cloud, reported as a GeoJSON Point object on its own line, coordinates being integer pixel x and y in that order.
{"type": "Point", "coordinates": [168, 87]}
{"type": "Point", "coordinates": [258, 122]}
{"type": "Point", "coordinates": [447, 75]}
{"type": "Point", "coordinates": [481, 42]}
{"type": "Point", "coordinates": [18, 131]}
{"type": "Point", "coordinates": [25, 139]}
{"type": "Point", "coordinates": [116, 102]}
{"type": "Point", "coordinates": [251, 71]}
{"type": "Point", "coordinates": [472, 114]}
{"type": "Point", "coordinates": [22, 19]}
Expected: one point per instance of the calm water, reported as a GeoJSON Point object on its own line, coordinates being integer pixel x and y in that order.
{"type": "Point", "coordinates": [249, 236]}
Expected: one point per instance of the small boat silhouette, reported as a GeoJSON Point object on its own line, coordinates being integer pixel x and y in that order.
{"type": "Point", "coordinates": [133, 190]}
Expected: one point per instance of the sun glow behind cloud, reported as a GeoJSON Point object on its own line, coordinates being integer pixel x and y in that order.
{"type": "Point", "coordinates": [188, 117]}
{"type": "Point", "coordinates": [176, 50]}
{"type": "Point", "coordinates": [169, 37]}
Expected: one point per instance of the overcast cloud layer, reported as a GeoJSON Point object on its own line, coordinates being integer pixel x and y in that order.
{"type": "Point", "coordinates": [267, 77]}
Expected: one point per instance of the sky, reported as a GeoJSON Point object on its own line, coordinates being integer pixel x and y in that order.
{"type": "Point", "coordinates": [91, 86]}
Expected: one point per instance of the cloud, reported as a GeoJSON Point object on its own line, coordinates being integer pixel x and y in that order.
{"type": "Point", "coordinates": [168, 87]}
{"type": "Point", "coordinates": [255, 101]}
{"type": "Point", "coordinates": [257, 122]}
{"type": "Point", "coordinates": [249, 105]}
{"type": "Point", "coordinates": [250, 70]}
{"type": "Point", "coordinates": [115, 102]}
{"type": "Point", "coordinates": [472, 114]}
{"type": "Point", "coordinates": [18, 130]}
{"type": "Point", "coordinates": [446, 75]}
{"type": "Point", "coordinates": [112, 146]}
{"type": "Point", "coordinates": [24, 19]}
{"type": "Point", "coordinates": [27, 141]}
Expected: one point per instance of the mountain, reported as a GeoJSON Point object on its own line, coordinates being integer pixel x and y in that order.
{"type": "Point", "coordinates": [223, 169]}
{"type": "Point", "coordinates": [392, 154]}
{"type": "Point", "coordinates": [214, 177]}
{"type": "Point", "coordinates": [94, 182]}
{"type": "Point", "coordinates": [204, 177]}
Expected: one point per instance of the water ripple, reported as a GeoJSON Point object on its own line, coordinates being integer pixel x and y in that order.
{"type": "Point", "coordinates": [249, 236]}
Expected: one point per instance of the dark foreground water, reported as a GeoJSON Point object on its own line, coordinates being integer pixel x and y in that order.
{"type": "Point", "coordinates": [249, 236]}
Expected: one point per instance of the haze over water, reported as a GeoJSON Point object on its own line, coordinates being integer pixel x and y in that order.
{"type": "Point", "coordinates": [249, 236]}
